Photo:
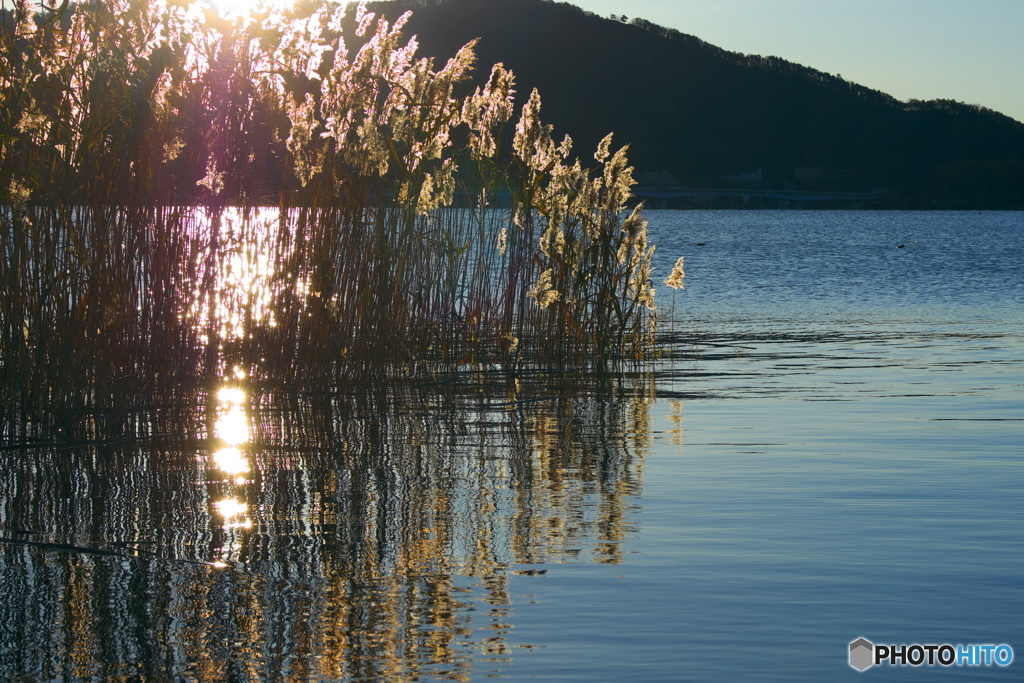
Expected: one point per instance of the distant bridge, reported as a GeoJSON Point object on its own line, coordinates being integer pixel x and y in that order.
{"type": "Point", "coordinates": [708, 194]}
{"type": "Point", "coordinates": [660, 196]}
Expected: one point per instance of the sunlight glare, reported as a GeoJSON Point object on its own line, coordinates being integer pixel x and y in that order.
{"type": "Point", "coordinates": [230, 507]}
{"type": "Point", "coordinates": [231, 461]}
{"type": "Point", "coordinates": [231, 9]}
{"type": "Point", "coordinates": [232, 427]}
{"type": "Point", "coordinates": [231, 395]}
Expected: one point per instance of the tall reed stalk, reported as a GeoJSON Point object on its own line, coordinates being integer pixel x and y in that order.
{"type": "Point", "coordinates": [152, 151]}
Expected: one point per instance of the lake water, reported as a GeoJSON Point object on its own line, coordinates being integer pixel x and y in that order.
{"type": "Point", "coordinates": [831, 451]}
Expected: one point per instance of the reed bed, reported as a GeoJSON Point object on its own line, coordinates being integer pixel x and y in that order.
{"type": "Point", "coordinates": [294, 197]}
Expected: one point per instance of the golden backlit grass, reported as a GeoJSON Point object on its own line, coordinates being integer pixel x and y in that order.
{"type": "Point", "coordinates": [295, 196]}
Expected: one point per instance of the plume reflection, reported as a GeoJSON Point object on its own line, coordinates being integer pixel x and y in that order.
{"type": "Point", "coordinates": [374, 536]}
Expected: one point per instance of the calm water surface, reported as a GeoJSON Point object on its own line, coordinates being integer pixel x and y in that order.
{"type": "Point", "coordinates": [833, 452]}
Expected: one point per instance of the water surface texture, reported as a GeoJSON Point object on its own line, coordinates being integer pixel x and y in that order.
{"type": "Point", "coordinates": [832, 451]}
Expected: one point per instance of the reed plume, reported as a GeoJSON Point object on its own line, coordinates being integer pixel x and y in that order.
{"type": "Point", "coordinates": [294, 194]}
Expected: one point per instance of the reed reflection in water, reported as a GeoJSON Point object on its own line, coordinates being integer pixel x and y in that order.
{"type": "Point", "coordinates": [256, 531]}
{"type": "Point", "coordinates": [316, 536]}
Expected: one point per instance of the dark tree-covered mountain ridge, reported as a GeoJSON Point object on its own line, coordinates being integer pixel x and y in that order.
{"type": "Point", "coordinates": [702, 116]}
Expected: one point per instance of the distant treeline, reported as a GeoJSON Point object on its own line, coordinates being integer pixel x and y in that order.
{"type": "Point", "coordinates": [697, 112]}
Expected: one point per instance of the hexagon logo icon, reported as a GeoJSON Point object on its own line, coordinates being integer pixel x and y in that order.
{"type": "Point", "coordinates": [862, 654]}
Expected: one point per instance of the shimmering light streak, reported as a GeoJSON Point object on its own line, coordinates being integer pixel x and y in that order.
{"type": "Point", "coordinates": [230, 508]}
{"type": "Point", "coordinates": [231, 461]}
{"type": "Point", "coordinates": [232, 426]}
{"type": "Point", "coordinates": [231, 395]}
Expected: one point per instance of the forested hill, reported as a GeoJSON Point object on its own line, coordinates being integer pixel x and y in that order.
{"type": "Point", "coordinates": [708, 117]}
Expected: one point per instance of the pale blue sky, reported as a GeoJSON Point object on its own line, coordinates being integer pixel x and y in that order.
{"type": "Point", "coordinates": [966, 50]}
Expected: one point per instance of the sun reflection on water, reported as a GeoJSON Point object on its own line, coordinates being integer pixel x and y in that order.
{"type": "Point", "coordinates": [231, 395]}
{"type": "Point", "coordinates": [230, 509]}
{"type": "Point", "coordinates": [231, 461]}
{"type": "Point", "coordinates": [243, 265]}
{"type": "Point", "coordinates": [231, 464]}
{"type": "Point", "coordinates": [232, 425]}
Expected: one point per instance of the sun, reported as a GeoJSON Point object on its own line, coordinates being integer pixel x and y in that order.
{"type": "Point", "coordinates": [230, 9]}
